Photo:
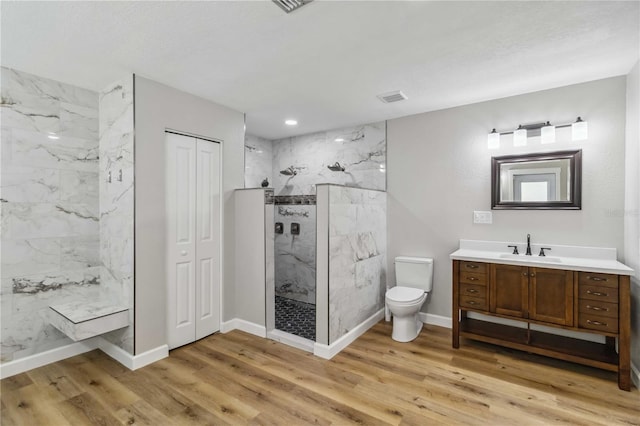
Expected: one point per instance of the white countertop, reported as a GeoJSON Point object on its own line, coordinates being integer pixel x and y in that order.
{"type": "Point", "coordinates": [573, 258]}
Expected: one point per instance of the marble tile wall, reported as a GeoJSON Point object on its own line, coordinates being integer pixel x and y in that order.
{"type": "Point", "coordinates": [295, 262]}
{"type": "Point", "coordinates": [258, 161]}
{"type": "Point", "coordinates": [49, 206]}
{"type": "Point", "coordinates": [361, 150]}
{"type": "Point", "coordinates": [357, 257]}
{"type": "Point", "coordinates": [116, 202]}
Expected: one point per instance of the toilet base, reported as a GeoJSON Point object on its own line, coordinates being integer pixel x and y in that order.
{"type": "Point", "coordinates": [406, 329]}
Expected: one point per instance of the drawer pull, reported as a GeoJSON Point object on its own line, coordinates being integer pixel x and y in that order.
{"type": "Point", "coordinates": [472, 290]}
{"type": "Point", "coordinates": [597, 308]}
{"type": "Point", "coordinates": [604, 324]}
{"type": "Point", "coordinates": [469, 265]}
{"type": "Point", "coordinates": [471, 302]}
{"type": "Point", "coordinates": [596, 278]}
{"type": "Point", "coordinates": [473, 279]}
{"type": "Point", "coordinates": [597, 293]}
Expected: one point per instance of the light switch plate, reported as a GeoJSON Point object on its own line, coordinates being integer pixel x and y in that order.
{"type": "Point", "coordinates": [482, 217]}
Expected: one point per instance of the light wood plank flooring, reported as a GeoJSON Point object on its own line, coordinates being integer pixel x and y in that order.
{"type": "Point", "coordinates": [237, 378]}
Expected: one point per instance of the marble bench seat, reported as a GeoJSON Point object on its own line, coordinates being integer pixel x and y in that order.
{"type": "Point", "coordinates": [82, 320]}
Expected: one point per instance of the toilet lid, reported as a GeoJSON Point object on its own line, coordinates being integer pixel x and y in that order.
{"type": "Point", "coordinates": [404, 294]}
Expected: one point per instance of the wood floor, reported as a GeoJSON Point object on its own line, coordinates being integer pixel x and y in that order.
{"type": "Point", "coordinates": [237, 378]}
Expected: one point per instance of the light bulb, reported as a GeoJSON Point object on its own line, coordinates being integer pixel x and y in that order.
{"type": "Point", "coordinates": [520, 137]}
{"type": "Point", "coordinates": [579, 130]}
{"type": "Point", "coordinates": [493, 140]}
{"type": "Point", "coordinates": [548, 133]}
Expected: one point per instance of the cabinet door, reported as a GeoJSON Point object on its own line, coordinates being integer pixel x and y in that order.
{"type": "Point", "coordinates": [551, 295]}
{"type": "Point", "coordinates": [509, 290]}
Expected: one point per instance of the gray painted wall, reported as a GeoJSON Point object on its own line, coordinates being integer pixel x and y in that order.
{"type": "Point", "coordinates": [158, 107]}
{"type": "Point", "coordinates": [439, 173]}
{"type": "Point", "coordinates": [632, 204]}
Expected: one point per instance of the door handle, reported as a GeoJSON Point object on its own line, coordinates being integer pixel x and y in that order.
{"type": "Point", "coordinates": [183, 253]}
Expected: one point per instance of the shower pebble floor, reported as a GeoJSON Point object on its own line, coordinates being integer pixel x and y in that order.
{"type": "Point", "coordinates": [296, 317]}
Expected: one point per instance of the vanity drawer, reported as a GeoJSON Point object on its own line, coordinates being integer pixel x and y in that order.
{"type": "Point", "coordinates": [473, 290]}
{"type": "Point", "coordinates": [473, 278]}
{"type": "Point", "coordinates": [594, 278]}
{"type": "Point", "coordinates": [477, 267]}
{"type": "Point", "coordinates": [598, 322]}
{"type": "Point", "coordinates": [596, 307]}
{"type": "Point", "coordinates": [598, 292]}
{"type": "Point", "coordinates": [479, 303]}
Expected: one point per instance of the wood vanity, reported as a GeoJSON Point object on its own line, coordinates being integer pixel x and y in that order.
{"type": "Point", "coordinates": [569, 299]}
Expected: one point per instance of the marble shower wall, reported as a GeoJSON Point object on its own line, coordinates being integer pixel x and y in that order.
{"type": "Point", "coordinates": [116, 202]}
{"type": "Point", "coordinates": [357, 257]}
{"type": "Point", "coordinates": [49, 207]}
{"type": "Point", "coordinates": [362, 151]}
{"type": "Point", "coordinates": [258, 161]}
{"type": "Point", "coordinates": [295, 265]}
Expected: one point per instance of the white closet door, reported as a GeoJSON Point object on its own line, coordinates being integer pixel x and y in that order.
{"type": "Point", "coordinates": [207, 238]}
{"type": "Point", "coordinates": [181, 241]}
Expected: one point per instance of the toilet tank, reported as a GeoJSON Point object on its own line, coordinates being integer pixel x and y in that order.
{"type": "Point", "coordinates": [414, 272]}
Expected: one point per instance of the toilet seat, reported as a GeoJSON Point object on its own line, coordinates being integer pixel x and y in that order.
{"type": "Point", "coordinates": [404, 295]}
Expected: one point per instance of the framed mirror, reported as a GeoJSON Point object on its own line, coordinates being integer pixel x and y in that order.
{"type": "Point", "coordinates": [545, 181]}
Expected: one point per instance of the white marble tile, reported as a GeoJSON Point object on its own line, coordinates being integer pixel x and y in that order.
{"type": "Point", "coordinates": [34, 220]}
{"type": "Point", "coordinates": [25, 257]}
{"type": "Point", "coordinates": [357, 257]}
{"type": "Point", "coordinates": [258, 161]}
{"type": "Point", "coordinates": [33, 149]}
{"type": "Point", "coordinates": [29, 184]}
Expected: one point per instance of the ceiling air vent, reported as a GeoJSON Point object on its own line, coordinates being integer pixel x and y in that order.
{"type": "Point", "coordinates": [291, 5]}
{"type": "Point", "coordinates": [396, 96]}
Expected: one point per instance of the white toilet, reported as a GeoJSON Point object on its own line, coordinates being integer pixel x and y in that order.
{"type": "Point", "coordinates": [414, 280]}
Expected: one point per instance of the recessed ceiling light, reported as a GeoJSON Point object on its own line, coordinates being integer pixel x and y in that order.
{"type": "Point", "coordinates": [290, 122]}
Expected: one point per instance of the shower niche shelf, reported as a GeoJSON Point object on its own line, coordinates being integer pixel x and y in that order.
{"type": "Point", "coordinates": [82, 320]}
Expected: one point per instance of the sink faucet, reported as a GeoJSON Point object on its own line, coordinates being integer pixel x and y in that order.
{"type": "Point", "coordinates": [528, 253]}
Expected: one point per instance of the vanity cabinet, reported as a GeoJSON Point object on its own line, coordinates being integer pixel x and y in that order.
{"type": "Point", "coordinates": [580, 301]}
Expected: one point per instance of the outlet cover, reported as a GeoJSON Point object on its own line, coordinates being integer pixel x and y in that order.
{"type": "Point", "coordinates": [482, 217]}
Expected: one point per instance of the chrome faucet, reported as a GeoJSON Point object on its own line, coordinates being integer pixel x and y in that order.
{"type": "Point", "coordinates": [528, 253]}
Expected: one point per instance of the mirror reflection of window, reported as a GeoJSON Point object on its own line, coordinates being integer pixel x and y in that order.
{"type": "Point", "coordinates": [535, 187]}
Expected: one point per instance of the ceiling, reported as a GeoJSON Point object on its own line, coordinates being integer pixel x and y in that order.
{"type": "Point", "coordinates": [325, 63]}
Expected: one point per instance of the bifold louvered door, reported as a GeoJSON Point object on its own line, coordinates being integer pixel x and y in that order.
{"type": "Point", "coordinates": [193, 238]}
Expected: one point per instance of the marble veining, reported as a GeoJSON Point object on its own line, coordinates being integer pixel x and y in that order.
{"type": "Point", "coordinates": [295, 263]}
{"type": "Point", "coordinates": [258, 161]}
{"type": "Point", "coordinates": [50, 207]}
{"type": "Point", "coordinates": [357, 257]}
{"type": "Point", "coordinates": [116, 202]}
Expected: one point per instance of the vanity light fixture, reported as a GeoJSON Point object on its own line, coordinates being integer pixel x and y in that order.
{"type": "Point", "coordinates": [493, 140]}
{"type": "Point", "coordinates": [546, 131]}
{"type": "Point", "coordinates": [520, 136]}
{"type": "Point", "coordinates": [291, 122]}
{"type": "Point", "coordinates": [579, 130]}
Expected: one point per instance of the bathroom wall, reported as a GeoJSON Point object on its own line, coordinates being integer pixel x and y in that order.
{"type": "Point", "coordinates": [362, 152]}
{"type": "Point", "coordinates": [439, 173]}
{"type": "Point", "coordinates": [258, 161]}
{"type": "Point", "coordinates": [159, 107]}
{"type": "Point", "coordinates": [295, 267]}
{"type": "Point", "coordinates": [632, 206]}
{"type": "Point", "coordinates": [50, 208]}
{"type": "Point", "coordinates": [116, 202]}
{"type": "Point", "coordinates": [356, 259]}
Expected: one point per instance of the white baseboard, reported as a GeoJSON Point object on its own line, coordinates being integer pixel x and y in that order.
{"type": "Point", "coordinates": [291, 340]}
{"type": "Point", "coordinates": [242, 325]}
{"type": "Point", "coordinates": [133, 362]}
{"type": "Point", "coordinates": [27, 363]}
{"type": "Point", "coordinates": [329, 351]}
{"type": "Point", "coordinates": [635, 375]}
{"type": "Point", "coordinates": [432, 319]}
